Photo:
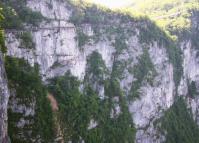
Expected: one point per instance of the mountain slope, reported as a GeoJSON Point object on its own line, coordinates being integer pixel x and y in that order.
{"type": "Point", "coordinates": [171, 15]}
{"type": "Point", "coordinates": [114, 77]}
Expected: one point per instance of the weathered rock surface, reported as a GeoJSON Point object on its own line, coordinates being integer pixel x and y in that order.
{"type": "Point", "coordinates": [4, 97]}
{"type": "Point", "coordinates": [57, 51]}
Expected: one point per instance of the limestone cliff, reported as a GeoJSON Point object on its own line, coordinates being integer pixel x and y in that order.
{"type": "Point", "coordinates": [149, 67]}
{"type": "Point", "coordinates": [4, 96]}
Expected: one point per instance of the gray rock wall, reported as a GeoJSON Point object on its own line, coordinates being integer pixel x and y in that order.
{"type": "Point", "coordinates": [4, 97]}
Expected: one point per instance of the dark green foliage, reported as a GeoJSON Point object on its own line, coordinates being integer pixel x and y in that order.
{"type": "Point", "coordinates": [143, 71]}
{"type": "Point", "coordinates": [109, 23]}
{"type": "Point", "coordinates": [121, 128]}
{"type": "Point", "coordinates": [115, 129]}
{"type": "Point", "coordinates": [118, 69]}
{"type": "Point", "coordinates": [30, 17]}
{"type": "Point", "coordinates": [151, 33]}
{"type": "Point", "coordinates": [28, 85]}
{"type": "Point", "coordinates": [96, 15]}
{"type": "Point", "coordinates": [13, 130]}
{"type": "Point", "coordinates": [112, 88]}
{"type": "Point", "coordinates": [175, 58]}
{"type": "Point", "coordinates": [16, 13]}
{"type": "Point", "coordinates": [77, 17]}
{"type": "Point", "coordinates": [2, 40]}
{"type": "Point", "coordinates": [101, 20]}
{"type": "Point", "coordinates": [92, 15]}
{"type": "Point", "coordinates": [77, 109]}
{"type": "Point", "coordinates": [26, 40]}
{"type": "Point", "coordinates": [179, 125]}
{"type": "Point", "coordinates": [55, 65]}
{"type": "Point", "coordinates": [192, 90]}
{"type": "Point", "coordinates": [12, 20]}
{"type": "Point", "coordinates": [81, 38]}
{"type": "Point", "coordinates": [120, 43]}
{"type": "Point", "coordinates": [96, 66]}
{"type": "Point", "coordinates": [3, 48]}
{"type": "Point", "coordinates": [83, 14]}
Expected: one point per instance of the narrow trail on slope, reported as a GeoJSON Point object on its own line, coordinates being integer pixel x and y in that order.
{"type": "Point", "coordinates": [58, 130]}
{"type": "Point", "coordinates": [53, 102]}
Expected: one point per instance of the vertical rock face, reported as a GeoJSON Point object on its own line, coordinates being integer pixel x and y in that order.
{"type": "Point", "coordinates": [189, 46]}
{"type": "Point", "coordinates": [4, 96]}
{"type": "Point", "coordinates": [155, 99]}
{"type": "Point", "coordinates": [24, 115]}
{"type": "Point", "coordinates": [56, 51]}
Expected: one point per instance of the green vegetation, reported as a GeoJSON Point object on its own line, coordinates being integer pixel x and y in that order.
{"type": "Point", "coordinates": [16, 14]}
{"type": "Point", "coordinates": [77, 109]}
{"type": "Point", "coordinates": [81, 38]}
{"type": "Point", "coordinates": [151, 33]}
{"type": "Point", "coordinates": [193, 33]}
{"type": "Point", "coordinates": [96, 66]}
{"type": "Point", "coordinates": [55, 65]}
{"type": "Point", "coordinates": [86, 13]}
{"type": "Point", "coordinates": [171, 15]}
{"type": "Point", "coordinates": [178, 124]}
{"type": "Point", "coordinates": [192, 90]}
{"type": "Point", "coordinates": [2, 43]}
{"type": "Point", "coordinates": [73, 109]}
{"type": "Point", "coordinates": [2, 40]}
{"type": "Point", "coordinates": [25, 80]}
{"type": "Point", "coordinates": [144, 71]}
{"type": "Point", "coordinates": [120, 41]}
{"type": "Point", "coordinates": [83, 14]}
{"type": "Point", "coordinates": [26, 40]}
{"type": "Point", "coordinates": [118, 69]}
{"type": "Point", "coordinates": [176, 59]}
{"type": "Point", "coordinates": [116, 26]}
{"type": "Point", "coordinates": [12, 20]}
{"type": "Point", "coordinates": [102, 20]}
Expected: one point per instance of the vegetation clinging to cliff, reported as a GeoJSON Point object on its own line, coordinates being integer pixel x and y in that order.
{"type": "Point", "coordinates": [178, 124]}
{"type": "Point", "coordinates": [143, 71]}
{"type": "Point", "coordinates": [109, 24]}
{"type": "Point", "coordinates": [173, 16]}
{"type": "Point", "coordinates": [26, 40]}
{"type": "Point", "coordinates": [78, 109]}
{"type": "Point", "coordinates": [25, 82]}
{"type": "Point", "coordinates": [2, 40]}
{"type": "Point", "coordinates": [149, 33]}
{"type": "Point", "coordinates": [16, 14]}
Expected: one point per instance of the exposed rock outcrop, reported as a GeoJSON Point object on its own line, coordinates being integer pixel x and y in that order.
{"type": "Point", "coordinates": [56, 51]}
{"type": "Point", "coordinates": [4, 97]}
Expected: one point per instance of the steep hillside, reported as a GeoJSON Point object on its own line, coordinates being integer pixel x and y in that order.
{"type": "Point", "coordinates": [80, 73]}
{"type": "Point", "coordinates": [4, 91]}
{"type": "Point", "coordinates": [172, 15]}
